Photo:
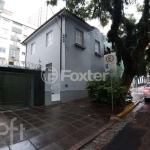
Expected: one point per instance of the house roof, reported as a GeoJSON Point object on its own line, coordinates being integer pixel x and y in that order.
{"type": "Point", "coordinates": [61, 11]}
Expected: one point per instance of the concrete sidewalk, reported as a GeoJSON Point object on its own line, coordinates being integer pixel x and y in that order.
{"type": "Point", "coordinates": [57, 127]}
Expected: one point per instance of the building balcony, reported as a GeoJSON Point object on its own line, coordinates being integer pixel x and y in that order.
{"type": "Point", "coordinates": [13, 38]}
{"type": "Point", "coordinates": [14, 47]}
{"type": "Point", "coordinates": [14, 29]}
{"type": "Point", "coordinates": [13, 58]}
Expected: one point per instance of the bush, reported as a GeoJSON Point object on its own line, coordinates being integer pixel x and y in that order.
{"type": "Point", "coordinates": [101, 91]}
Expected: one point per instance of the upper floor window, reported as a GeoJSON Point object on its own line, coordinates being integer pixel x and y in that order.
{"type": "Point", "coordinates": [32, 48]}
{"type": "Point", "coordinates": [49, 38]}
{"type": "Point", "coordinates": [2, 49]}
{"type": "Point", "coordinates": [97, 47]}
{"type": "Point", "coordinates": [14, 53]}
{"type": "Point", "coordinates": [79, 37]}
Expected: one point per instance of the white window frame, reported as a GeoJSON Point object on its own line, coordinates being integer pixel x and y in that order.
{"type": "Point", "coordinates": [97, 47]}
{"type": "Point", "coordinates": [79, 37]}
{"type": "Point", "coordinates": [33, 48]}
{"type": "Point", "coordinates": [49, 38]}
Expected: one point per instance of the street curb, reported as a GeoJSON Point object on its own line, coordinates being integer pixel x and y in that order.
{"type": "Point", "coordinates": [88, 139]}
{"type": "Point", "coordinates": [126, 110]}
{"type": "Point", "coordinates": [113, 119]}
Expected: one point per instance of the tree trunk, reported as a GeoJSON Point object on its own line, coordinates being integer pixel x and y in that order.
{"type": "Point", "coordinates": [127, 78]}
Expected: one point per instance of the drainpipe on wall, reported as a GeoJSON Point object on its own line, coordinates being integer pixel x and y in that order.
{"type": "Point", "coordinates": [60, 44]}
{"type": "Point", "coordinates": [25, 56]}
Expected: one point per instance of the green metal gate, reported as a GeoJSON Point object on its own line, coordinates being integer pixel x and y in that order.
{"type": "Point", "coordinates": [16, 89]}
{"type": "Point", "coordinates": [39, 91]}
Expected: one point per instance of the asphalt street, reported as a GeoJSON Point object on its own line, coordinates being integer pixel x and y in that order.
{"type": "Point", "coordinates": [136, 134]}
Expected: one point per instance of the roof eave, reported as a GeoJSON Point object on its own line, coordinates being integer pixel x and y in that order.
{"type": "Point", "coordinates": [24, 42]}
{"type": "Point", "coordinates": [58, 13]}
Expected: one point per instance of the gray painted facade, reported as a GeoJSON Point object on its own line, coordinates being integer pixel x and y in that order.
{"type": "Point", "coordinates": [66, 55]}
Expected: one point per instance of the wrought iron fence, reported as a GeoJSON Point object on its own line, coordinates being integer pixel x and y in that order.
{"type": "Point", "coordinates": [23, 65]}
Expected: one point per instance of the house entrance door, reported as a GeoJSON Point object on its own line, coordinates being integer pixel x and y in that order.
{"type": "Point", "coordinates": [52, 76]}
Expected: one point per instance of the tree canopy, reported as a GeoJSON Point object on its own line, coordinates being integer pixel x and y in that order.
{"type": "Point", "coordinates": [129, 37]}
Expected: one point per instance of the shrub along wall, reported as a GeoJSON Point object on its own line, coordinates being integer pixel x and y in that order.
{"type": "Point", "coordinates": [100, 91]}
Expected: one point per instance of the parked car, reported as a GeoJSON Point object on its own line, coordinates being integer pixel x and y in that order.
{"type": "Point", "coordinates": [147, 91]}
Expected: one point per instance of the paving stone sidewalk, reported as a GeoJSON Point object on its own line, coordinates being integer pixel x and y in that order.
{"type": "Point", "coordinates": [56, 127]}
{"type": "Point", "coordinates": [101, 141]}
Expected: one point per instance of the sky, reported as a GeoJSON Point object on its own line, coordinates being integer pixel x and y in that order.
{"type": "Point", "coordinates": [22, 9]}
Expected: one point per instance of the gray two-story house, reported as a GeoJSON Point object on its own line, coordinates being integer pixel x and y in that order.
{"type": "Point", "coordinates": [66, 43]}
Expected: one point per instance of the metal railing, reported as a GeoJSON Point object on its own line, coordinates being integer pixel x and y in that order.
{"type": "Point", "coordinates": [22, 65]}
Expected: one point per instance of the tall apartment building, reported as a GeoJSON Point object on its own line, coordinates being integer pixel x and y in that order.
{"type": "Point", "coordinates": [43, 13]}
{"type": "Point", "coordinates": [12, 52]}
{"type": "Point", "coordinates": [39, 16]}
